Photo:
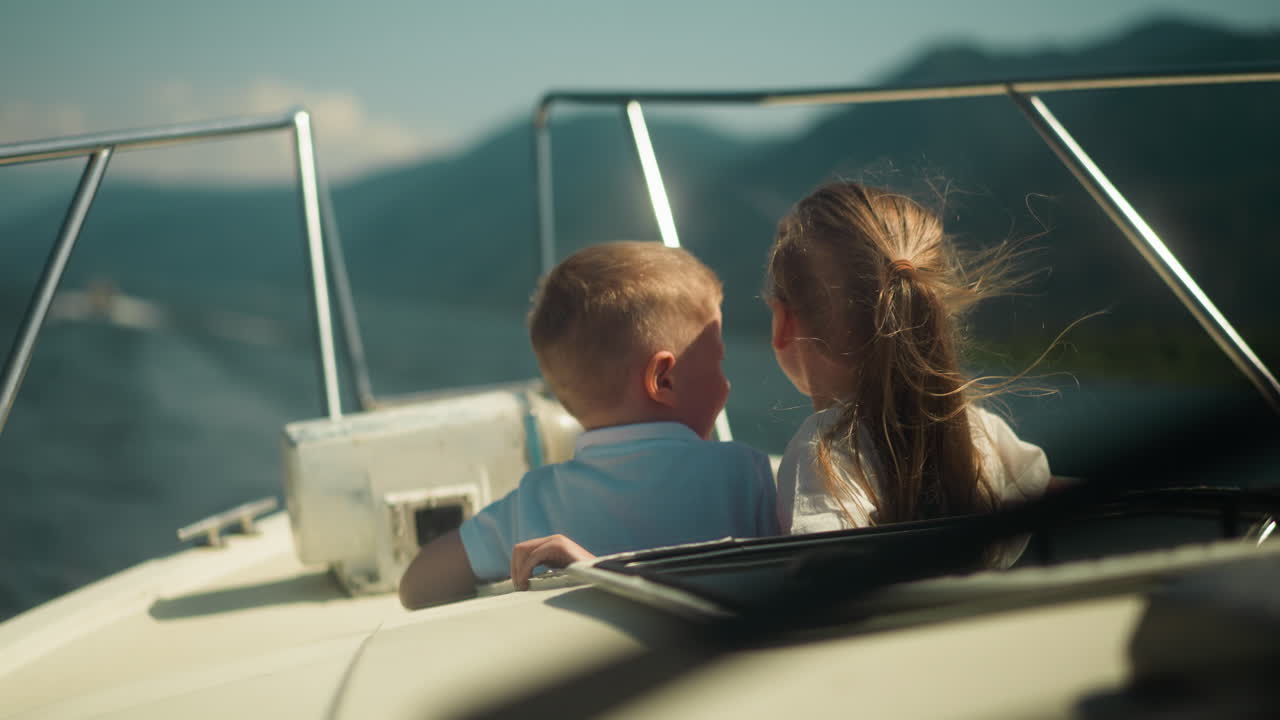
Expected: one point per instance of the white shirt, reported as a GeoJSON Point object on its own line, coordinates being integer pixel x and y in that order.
{"type": "Point", "coordinates": [630, 487]}
{"type": "Point", "coordinates": [1015, 470]}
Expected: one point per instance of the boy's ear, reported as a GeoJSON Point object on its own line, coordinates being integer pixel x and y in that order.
{"type": "Point", "coordinates": [658, 382]}
{"type": "Point", "coordinates": [784, 325]}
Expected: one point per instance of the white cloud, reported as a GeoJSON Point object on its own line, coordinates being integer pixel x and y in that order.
{"type": "Point", "coordinates": [25, 120]}
{"type": "Point", "coordinates": [350, 138]}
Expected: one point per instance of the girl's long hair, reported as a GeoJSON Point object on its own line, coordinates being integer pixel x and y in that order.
{"type": "Point", "coordinates": [873, 276]}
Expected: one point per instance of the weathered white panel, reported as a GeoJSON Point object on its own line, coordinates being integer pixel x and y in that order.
{"type": "Point", "coordinates": [343, 478]}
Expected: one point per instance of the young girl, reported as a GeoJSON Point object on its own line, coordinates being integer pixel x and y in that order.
{"type": "Point", "coordinates": [866, 294]}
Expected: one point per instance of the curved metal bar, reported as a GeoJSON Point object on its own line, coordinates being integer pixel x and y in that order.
{"type": "Point", "coordinates": [1145, 240]}
{"type": "Point", "coordinates": [315, 252]}
{"type": "Point", "coordinates": [15, 368]}
{"type": "Point", "coordinates": [652, 175]}
{"type": "Point", "coordinates": [661, 204]}
{"type": "Point", "coordinates": [542, 184]}
{"type": "Point", "coordinates": [861, 95]}
{"type": "Point", "coordinates": [345, 299]}
{"type": "Point", "coordinates": [100, 147]}
{"type": "Point", "coordinates": [119, 140]}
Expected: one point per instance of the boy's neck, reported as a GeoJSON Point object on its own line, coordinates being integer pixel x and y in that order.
{"type": "Point", "coordinates": [613, 419]}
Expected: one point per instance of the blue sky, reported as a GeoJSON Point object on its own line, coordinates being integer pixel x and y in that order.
{"type": "Point", "coordinates": [389, 82]}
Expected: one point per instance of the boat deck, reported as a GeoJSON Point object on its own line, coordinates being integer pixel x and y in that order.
{"type": "Point", "coordinates": [208, 631]}
{"type": "Point", "coordinates": [247, 630]}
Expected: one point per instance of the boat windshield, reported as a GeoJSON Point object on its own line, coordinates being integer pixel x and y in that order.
{"type": "Point", "coordinates": [1115, 232]}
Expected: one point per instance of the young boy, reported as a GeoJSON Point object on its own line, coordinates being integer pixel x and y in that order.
{"type": "Point", "coordinates": [628, 337]}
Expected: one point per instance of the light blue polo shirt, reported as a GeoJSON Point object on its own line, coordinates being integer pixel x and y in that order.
{"type": "Point", "coordinates": [630, 487]}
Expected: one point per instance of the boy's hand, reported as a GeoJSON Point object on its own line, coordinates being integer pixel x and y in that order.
{"type": "Point", "coordinates": [553, 551]}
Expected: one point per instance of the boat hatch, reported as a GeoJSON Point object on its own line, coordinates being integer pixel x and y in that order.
{"type": "Point", "coordinates": [420, 516]}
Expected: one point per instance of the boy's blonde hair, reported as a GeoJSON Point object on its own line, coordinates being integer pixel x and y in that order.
{"type": "Point", "coordinates": [608, 307]}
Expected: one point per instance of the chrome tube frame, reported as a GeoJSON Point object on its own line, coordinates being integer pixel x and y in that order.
{"type": "Point", "coordinates": [1022, 93]}
{"type": "Point", "coordinates": [306, 157]}
{"type": "Point", "coordinates": [661, 205]}
{"type": "Point", "coordinates": [351, 333]}
{"type": "Point", "coordinates": [866, 96]}
{"type": "Point", "coordinates": [24, 346]}
{"type": "Point", "coordinates": [43, 150]}
{"type": "Point", "coordinates": [652, 174]}
{"type": "Point", "coordinates": [100, 147]}
{"type": "Point", "coordinates": [543, 186]}
{"type": "Point", "coordinates": [1148, 244]}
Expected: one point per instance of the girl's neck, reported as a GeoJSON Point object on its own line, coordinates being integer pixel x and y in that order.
{"type": "Point", "coordinates": [829, 384]}
{"type": "Point", "coordinates": [822, 402]}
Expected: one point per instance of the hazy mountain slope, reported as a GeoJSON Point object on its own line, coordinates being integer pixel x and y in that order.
{"type": "Point", "coordinates": [470, 224]}
{"type": "Point", "coordinates": [1198, 162]}
{"type": "Point", "coordinates": [461, 229]}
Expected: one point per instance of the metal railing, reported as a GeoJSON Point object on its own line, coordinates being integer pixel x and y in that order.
{"type": "Point", "coordinates": [316, 216]}
{"type": "Point", "coordinates": [1024, 96]}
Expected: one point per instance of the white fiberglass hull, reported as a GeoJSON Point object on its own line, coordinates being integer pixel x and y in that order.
{"type": "Point", "coordinates": [246, 631]}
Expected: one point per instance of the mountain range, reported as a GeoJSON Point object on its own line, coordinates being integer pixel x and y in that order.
{"type": "Point", "coordinates": [1198, 162]}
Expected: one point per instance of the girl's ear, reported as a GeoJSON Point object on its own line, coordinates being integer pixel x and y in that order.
{"type": "Point", "coordinates": [658, 382]}
{"type": "Point", "coordinates": [784, 325]}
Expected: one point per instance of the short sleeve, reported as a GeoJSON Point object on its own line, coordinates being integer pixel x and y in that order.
{"type": "Point", "coordinates": [1017, 469]}
{"type": "Point", "coordinates": [804, 505]}
{"type": "Point", "coordinates": [488, 537]}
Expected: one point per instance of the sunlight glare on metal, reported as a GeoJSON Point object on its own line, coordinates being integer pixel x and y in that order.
{"type": "Point", "coordinates": [304, 150]}
{"type": "Point", "coordinates": [723, 433]}
{"type": "Point", "coordinates": [652, 176]}
{"type": "Point", "coordinates": [1266, 531]}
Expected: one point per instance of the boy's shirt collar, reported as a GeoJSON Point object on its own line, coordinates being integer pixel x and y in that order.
{"type": "Point", "coordinates": [634, 432]}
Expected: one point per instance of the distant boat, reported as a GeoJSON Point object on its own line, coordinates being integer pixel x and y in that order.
{"type": "Point", "coordinates": [102, 301]}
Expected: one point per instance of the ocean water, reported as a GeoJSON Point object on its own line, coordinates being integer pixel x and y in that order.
{"type": "Point", "coordinates": [121, 436]}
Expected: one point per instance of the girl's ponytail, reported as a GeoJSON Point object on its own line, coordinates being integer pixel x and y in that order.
{"type": "Point", "coordinates": [915, 401]}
